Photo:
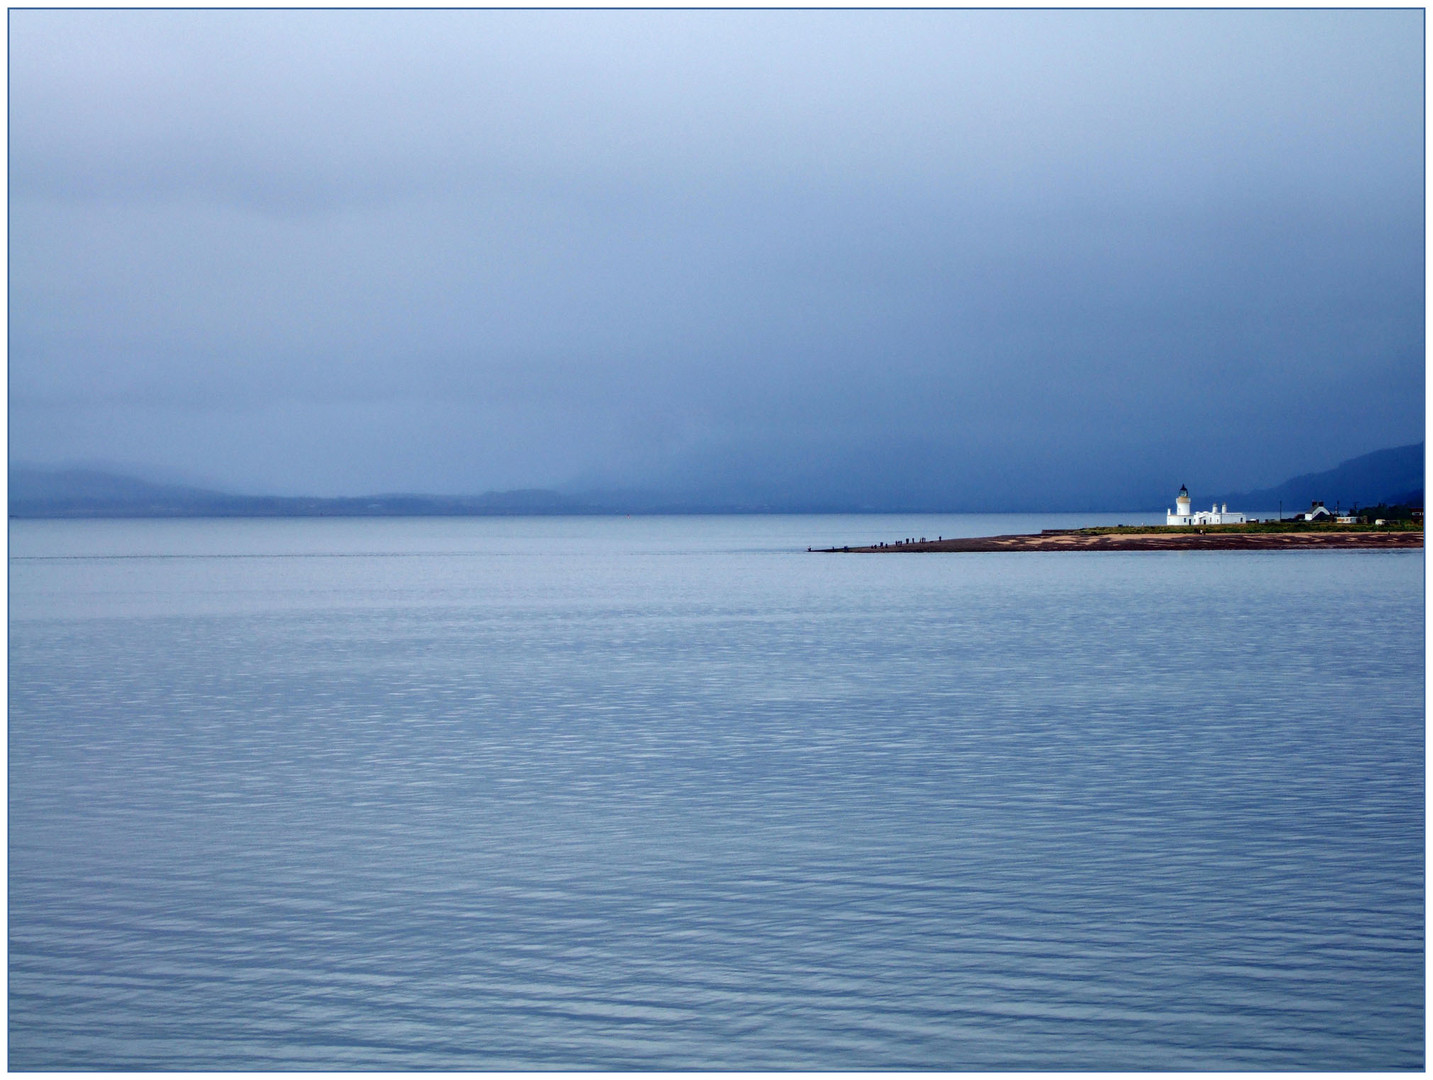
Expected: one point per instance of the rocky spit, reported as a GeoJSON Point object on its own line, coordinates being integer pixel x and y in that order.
{"type": "Point", "coordinates": [1152, 541]}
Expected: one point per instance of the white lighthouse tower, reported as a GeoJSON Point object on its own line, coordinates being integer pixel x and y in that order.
{"type": "Point", "coordinates": [1181, 508]}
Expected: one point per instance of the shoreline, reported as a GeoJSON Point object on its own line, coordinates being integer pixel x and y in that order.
{"type": "Point", "coordinates": [1154, 541]}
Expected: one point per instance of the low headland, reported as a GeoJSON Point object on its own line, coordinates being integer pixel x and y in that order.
{"type": "Point", "coordinates": [1250, 536]}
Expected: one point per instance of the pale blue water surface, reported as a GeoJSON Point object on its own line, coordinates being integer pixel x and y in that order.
{"type": "Point", "coordinates": [672, 793]}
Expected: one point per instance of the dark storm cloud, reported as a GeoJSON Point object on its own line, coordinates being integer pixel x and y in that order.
{"type": "Point", "coordinates": [963, 255]}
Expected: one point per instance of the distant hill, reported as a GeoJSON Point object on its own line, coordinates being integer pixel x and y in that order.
{"type": "Point", "coordinates": [1388, 476]}
{"type": "Point", "coordinates": [81, 493]}
{"type": "Point", "coordinates": [1384, 476]}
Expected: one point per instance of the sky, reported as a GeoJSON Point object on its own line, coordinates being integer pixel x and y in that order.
{"type": "Point", "coordinates": [967, 260]}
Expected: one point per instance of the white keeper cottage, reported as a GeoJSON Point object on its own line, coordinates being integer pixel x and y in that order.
{"type": "Point", "coordinates": [1215, 516]}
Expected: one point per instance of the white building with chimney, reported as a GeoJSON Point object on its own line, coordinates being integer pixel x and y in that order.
{"type": "Point", "coordinates": [1216, 515]}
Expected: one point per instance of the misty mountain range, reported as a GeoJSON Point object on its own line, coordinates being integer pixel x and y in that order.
{"type": "Point", "coordinates": [1394, 475]}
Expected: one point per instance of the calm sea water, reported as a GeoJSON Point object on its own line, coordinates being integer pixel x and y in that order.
{"type": "Point", "coordinates": [673, 793]}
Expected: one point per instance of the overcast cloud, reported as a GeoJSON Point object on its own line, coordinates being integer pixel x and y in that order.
{"type": "Point", "coordinates": [985, 258]}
